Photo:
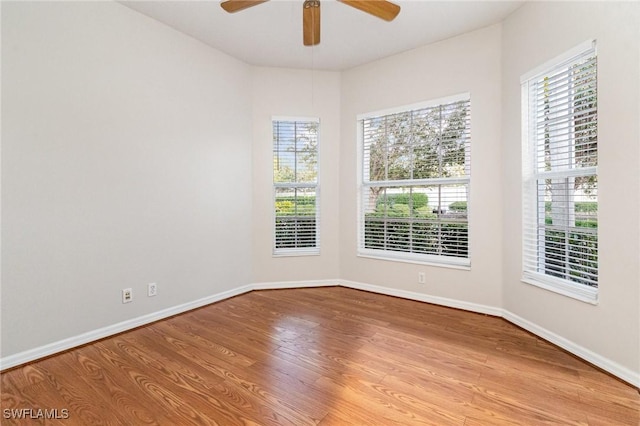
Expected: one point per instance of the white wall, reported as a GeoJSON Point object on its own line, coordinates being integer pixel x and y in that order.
{"type": "Point", "coordinates": [295, 93]}
{"type": "Point", "coordinates": [126, 160]}
{"type": "Point", "coordinates": [611, 329]}
{"type": "Point", "coordinates": [468, 63]}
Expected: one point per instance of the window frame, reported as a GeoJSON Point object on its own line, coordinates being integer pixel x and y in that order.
{"type": "Point", "coordinates": [463, 263]}
{"type": "Point", "coordinates": [532, 177]}
{"type": "Point", "coordinates": [296, 251]}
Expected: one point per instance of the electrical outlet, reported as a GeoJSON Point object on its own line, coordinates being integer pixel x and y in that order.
{"type": "Point", "coordinates": [127, 295]}
{"type": "Point", "coordinates": [152, 289]}
{"type": "Point", "coordinates": [422, 279]}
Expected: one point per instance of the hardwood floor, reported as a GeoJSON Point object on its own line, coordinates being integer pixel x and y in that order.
{"type": "Point", "coordinates": [327, 356]}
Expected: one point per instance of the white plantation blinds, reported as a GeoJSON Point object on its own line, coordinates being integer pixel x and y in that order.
{"type": "Point", "coordinates": [415, 183]}
{"type": "Point", "coordinates": [561, 186]}
{"type": "Point", "coordinates": [295, 186]}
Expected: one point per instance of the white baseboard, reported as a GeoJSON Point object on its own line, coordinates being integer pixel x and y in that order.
{"type": "Point", "coordinates": [606, 364]}
{"type": "Point", "coordinates": [443, 301]}
{"type": "Point", "coordinates": [91, 336]}
{"type": "Point", "coordinates": [294, 284]}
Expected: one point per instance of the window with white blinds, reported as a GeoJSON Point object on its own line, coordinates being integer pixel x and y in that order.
{"type": "Point", "coordinates": [295, 186]}
{"type": "Point", "coordinates": [415, 183]}
{"type": "Point", "coordinates": [560, 205]}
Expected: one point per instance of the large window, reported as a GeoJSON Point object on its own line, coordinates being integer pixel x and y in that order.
{"type": "Point", "coordinates": [560, 159]}
{"type": "Point", "coordinates": [415, 183]}
{"type": "Point", "coordinates": [295, 186]}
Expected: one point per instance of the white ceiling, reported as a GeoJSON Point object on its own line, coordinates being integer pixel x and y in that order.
{"type": "Point", "coordinates": [270, 34]}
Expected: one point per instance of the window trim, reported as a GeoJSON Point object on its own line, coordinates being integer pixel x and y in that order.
{"type": "Point", "coordinates": [530, 177]}
{"type": "Point", "coordinates": [408, 257]}
{"type": "Point", "coordinates": [303, 251]}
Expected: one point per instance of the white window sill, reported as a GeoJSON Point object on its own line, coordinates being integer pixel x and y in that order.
{"type": "Point", "coordinates": [449, 262]}
{"type": "Point", "coordinates": [576, 291]}
{"type": "Point", "coordinates": [296, 252]}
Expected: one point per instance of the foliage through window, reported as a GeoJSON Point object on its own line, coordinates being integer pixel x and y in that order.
{"type": "Point", "coordinates": [295, 181]}
{"type": "Point", "coordinates": [560, 175]}
{"type": "Point", "coordinates": [415, 183]}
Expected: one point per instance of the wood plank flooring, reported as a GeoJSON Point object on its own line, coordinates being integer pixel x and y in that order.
{"type": "Point", "coordinates": [319, 356]}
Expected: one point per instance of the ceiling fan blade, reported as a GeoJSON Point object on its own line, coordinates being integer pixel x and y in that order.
{"type": "Point", "coordinates": [237, 5]}
{"type": "Point", "coordinates": [311, 22]}
{"type": "Point", "coordinates": [380, 8]}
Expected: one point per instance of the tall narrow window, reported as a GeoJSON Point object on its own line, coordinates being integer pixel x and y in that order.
{"type": "Point", "coordinates": [560, 159]}
{"type": "Point", "coordinates": [295, 186]}
{"type": "Point", "coordinates": [415, 183]}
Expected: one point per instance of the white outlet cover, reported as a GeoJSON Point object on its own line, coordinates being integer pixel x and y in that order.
{"type": "Point", "coordinates": [152, 289]}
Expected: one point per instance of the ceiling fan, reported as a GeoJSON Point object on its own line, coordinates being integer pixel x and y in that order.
{"type": "Point", "coordinates": [311, 13]}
